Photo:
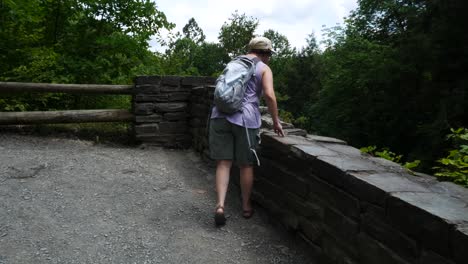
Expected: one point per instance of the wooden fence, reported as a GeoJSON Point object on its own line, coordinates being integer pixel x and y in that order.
{"type": "Point", "coordinates": [69, 116]}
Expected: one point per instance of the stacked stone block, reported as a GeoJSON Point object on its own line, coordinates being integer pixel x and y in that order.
{"type": "Point", "coordinates": [162, 109]}
{"type": "Point", "coordinates": [200, 107]}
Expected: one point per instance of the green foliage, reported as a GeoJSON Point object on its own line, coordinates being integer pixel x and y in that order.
{"type": "Point", "coordinates": [211, 59]}
{"type": "Point", "coordinates": [297, 79]}
{"type": "Point", "coordinates": [193, 31]}
{"type": "Point", "coordinates": [189, 54]}
{"type": "Point", "coordinates": [86, 41]}
{"type": "Point", "coordinates": [369, 149]}
{"type": "Point", "coordinates": [280, 43]}
{"type": "Point", "coordinates": [391, 76]}
{"type": "Point", "coordinates": [236, 34]}
{"type": "Point", "coordinates": [11, 104]}
{"type": "Point", "coordinates": [285, 116]}
{"type": "Point", "coordinates": [385, 153]}
{"type": "Point", "coordinates": [357, 75]}
{"type": "Point", "coordinates": [454, 167]}
{"type": "Point", "coordinates": [180, 57]}
{"type": "Point", "coordinates": [302, 121]}
{"type": "Point", "coordinates": [388, 155]}
{"type": "Point", "coordinates": [411, 165]}
{"type": "Point", "coordinates": [33, 102]}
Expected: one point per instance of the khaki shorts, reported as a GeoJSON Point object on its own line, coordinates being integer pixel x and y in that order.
{"type": "Point", "coordinates": [229, 142]}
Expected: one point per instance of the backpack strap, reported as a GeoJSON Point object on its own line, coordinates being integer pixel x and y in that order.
{"type": "Point", "coordinates": [255, 61]}
{"type": "Point", "coordinates": [208, 121]}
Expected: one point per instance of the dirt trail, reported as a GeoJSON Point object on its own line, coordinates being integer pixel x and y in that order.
{"type": "Point", "coordinates": [71, 201]}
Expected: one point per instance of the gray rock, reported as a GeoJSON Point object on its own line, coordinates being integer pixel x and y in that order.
{"type": "Point", "coordinates": [28, 169]}
{"type": "Point", "coordinates": [325, 139]}
{"type": "Point", "coordinates": [376, 187]}
{"type": "Point", "coordinates": [428, 217]}
{"type": "Point", "coordinates": [147, 89]}
{"type": "Point", "coordinates": [144, 108]}
{"type": "Point", "coordinates": [429, 257]}
{"type": "Point", "coordinates": [371, 252]}
{"type": "Point", "coordinates": [459, 240]}
{"type": "Point", "coordinates": [154, 118]}
{"type": "Point", "coordinates": [141, 80]}
{"type": "Point", "coordinates": [175, 116]}
{"type": "Point", "coordinates": [171, 81]}
{"type": "Point", "coordinates": [170, 107]}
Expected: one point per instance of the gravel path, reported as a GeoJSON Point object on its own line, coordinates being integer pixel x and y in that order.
{"type": "Point", "coordinates": [72, 201]}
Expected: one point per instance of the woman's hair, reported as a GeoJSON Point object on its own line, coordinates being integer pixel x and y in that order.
{"type": "Point", "coordinates": [262, 51]}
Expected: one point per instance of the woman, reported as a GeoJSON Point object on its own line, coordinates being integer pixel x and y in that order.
{"type": "Point", "coordinates": [231, 136]}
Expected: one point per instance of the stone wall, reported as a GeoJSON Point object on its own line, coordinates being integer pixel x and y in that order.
{"type": "Point", "coordinates": [162, 109]}
{"type": "Point", "coordinates": [349, 207]}
{"type": "Point", "coordinates": [200, 107]}
{"type": "Point", "coordinates": [353, 208]}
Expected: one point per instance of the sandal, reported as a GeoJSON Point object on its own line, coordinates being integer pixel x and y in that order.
{"type": "Point", "coordinates": [219, 217]}
{"type": "Point", "coordinates": [247, 213]}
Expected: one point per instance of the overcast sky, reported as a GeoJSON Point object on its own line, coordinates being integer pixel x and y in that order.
{"type": "Point", "coordinates": [295, 19]}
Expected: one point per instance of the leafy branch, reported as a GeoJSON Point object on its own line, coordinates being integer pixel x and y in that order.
{"type": "Point", "coordinates": [454, 167]}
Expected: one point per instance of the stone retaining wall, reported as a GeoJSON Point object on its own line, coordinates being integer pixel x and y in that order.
{"type": "Point", "coordinates": [349, 207]}
{"type": "Point", "coordinates": [163, 109]}
{"type": "Point", "coordinates": [353, 208]}
{"type": "Point", "coordinates": [200, 106]}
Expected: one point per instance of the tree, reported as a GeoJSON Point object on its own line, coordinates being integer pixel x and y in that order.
{"type": "Point", "coordinates": [396, 53]}
{"type": "Point", "coordinates": [301, 82]}
{"type": "Point", "coordinates": [192, 31]}
{"type": "Point", "coordinates": [211, 59]}
{"type": "Point", "coordinates": [279, 62]}
{"type": "Point", "coordinates": [387, 20]}
{"type": "Point", "coordinates": [236, 34]}
{"type": "Point", "coordinates": [280, 44]}
{"type": "Point", "coordinates": [358, 75]}
{"type": "Point", "coordinates": [85, 41]}
{"type": "Point", "coordinates": [180, 55]}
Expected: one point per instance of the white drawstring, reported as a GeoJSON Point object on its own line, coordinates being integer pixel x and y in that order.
{"type": "Point", "coordinates": [248, 140]}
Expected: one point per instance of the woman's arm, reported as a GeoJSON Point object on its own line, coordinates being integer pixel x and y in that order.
{"type": "Point", "coordinates": [270, 98]}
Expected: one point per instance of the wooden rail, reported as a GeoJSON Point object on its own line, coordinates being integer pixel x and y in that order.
{"type": "Point", "coordinates": [17, 87]}
{"type": "Point", "coordinates": [69, 116]}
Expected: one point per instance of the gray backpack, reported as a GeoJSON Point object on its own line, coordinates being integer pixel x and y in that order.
{"type": "Point", "coordinates": [231, 84]}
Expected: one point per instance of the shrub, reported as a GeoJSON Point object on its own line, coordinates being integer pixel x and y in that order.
{"type": "Point", "coordinates": [385, 153]}
{"type": "Point", "coordinates": [454, 167]}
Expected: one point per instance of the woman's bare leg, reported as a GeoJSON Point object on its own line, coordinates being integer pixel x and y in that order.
{"type": "Point", "coordinates": [223, 170]}
{"type": "Point", "coordinates": [246, 183]}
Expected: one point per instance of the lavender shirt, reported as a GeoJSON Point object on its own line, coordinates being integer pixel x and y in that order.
{"type": "Point", "coordinates": [250, 113]}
